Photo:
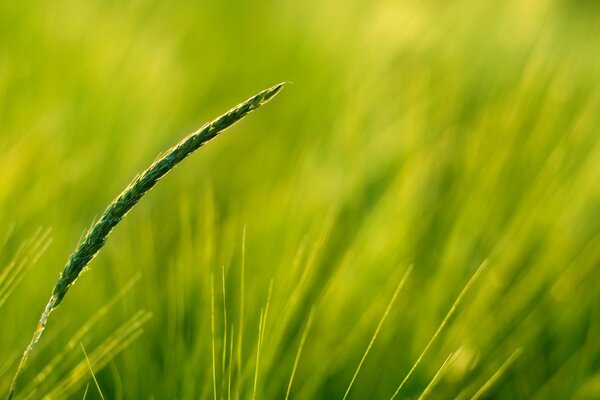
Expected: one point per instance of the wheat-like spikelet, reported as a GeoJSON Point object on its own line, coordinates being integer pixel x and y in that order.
{"type": "Point", "coordinates": [118, 208]}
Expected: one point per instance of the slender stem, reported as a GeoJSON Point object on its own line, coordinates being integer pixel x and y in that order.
{"type": "Point", "coordinates": [114, 213]}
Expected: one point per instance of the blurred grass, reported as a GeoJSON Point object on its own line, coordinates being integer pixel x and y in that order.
{"type": "Point", "coordinates": [415, 132]}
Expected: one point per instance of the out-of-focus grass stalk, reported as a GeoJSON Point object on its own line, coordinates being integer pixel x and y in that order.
{"type": "Point", "coordinates": [376, 333]}
{"type": "Point", "coordinates": [427, 391]}
{"type": "Point", "coordinates": [490, 382]}
{"type": "Point", "coordinates": [114, 213]}
{"type": "Point", "coordinates": [444, 322]}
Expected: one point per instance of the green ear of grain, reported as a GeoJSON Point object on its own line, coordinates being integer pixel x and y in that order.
{"type": "Point", "coordinates": [118, 208]}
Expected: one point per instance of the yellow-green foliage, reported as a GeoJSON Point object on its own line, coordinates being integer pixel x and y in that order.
{"type": "Point", "coordinates": [438, 135]}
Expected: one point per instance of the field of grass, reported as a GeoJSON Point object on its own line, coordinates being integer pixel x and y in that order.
{"type": "Point", "coordinates": [416, 214]}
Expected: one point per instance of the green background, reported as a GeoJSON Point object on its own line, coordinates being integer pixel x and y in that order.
{"type": "Point", "coordinates": [425, 133]}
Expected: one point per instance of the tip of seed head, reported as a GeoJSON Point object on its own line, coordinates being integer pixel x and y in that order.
{"type": "Point", "coordinates": [269, 93]}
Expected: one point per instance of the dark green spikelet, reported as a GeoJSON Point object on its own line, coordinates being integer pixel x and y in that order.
{"type": "Point", "coordinates": [114, 213]}
{"type": "Point", "coordinates": [96, 237]}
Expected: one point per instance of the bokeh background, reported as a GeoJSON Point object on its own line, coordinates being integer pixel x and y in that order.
{"type": "Point", "coordinates": [425, 133]}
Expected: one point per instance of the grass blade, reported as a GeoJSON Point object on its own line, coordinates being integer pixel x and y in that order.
{"type": "Point", "coordinates": [92, 371]}
{"type": "Point", "coordinates": [299, 352]}
{"type": "Point", "coordinates": [440, 328]}
{"type": "Point", "coordinates": [436, 378]}
{"type": "Point", "coordinates": [212, 334]}
{"type": "Point", "coordinates": [376, 333]}
{"type": "Point", "coordinates": [490, 382]}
